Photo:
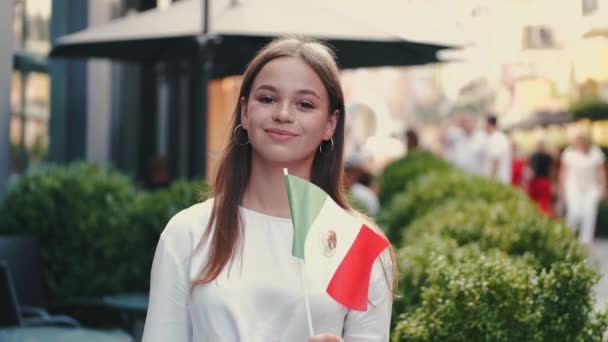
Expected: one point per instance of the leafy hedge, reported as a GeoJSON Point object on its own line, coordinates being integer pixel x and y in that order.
{"type": "Point", "coordinates": [513, 226]}
{"type": "Point", "coordinates": [592, 109]}
{"type": "Point", "coordinates": [478, 262]}
{"type": "Point", "coordinates": [493, 297]}
{"type": "Point", "coordinates": [86, 217]}
{"type": "Point", "coordinates": [435, 189]}
{"type": "Point", "coordinates": [399, 174]}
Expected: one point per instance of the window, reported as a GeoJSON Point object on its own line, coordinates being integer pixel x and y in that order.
{"type": "Point", "coordinates": [538, 37]}
{"type": "Point", "coordinates": [30, 90]}
{"type": "Point", "coordinates": [589, 6]}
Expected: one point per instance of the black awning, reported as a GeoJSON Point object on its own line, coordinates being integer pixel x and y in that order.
{"type": "Point", "coordinates": [239, 31]}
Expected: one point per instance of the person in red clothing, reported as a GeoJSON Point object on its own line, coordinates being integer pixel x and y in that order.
{"type": "Point", "coordinates": [540, 188]}
{"type": "Point", "coordinates": [518, 166]}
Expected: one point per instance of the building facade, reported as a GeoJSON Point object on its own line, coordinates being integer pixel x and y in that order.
{"type": "Point", "coordinates": [131, 116]}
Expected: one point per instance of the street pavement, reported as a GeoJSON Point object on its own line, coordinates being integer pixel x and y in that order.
{"type": "Point", "coordinates": [599, 255]}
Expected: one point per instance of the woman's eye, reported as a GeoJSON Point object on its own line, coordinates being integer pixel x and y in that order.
{"type": "Point", "coordinates": [266, 99]}
{"type": "Point", "coordinates": [306, 105]}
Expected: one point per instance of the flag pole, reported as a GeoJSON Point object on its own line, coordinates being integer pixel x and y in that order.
{"type": "Point", "coordinates": [307, 302]}
{"type": "Point", "coordinates": [304, 287]}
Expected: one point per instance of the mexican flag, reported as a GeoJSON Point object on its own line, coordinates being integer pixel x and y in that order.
{"type": "Point", "coordinates": [335, 245]}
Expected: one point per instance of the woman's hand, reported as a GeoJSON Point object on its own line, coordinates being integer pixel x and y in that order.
{"type": "Point", "coordinates": [325, 338]}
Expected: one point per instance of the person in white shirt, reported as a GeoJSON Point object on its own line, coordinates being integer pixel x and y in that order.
{"type": "Point", "coordinates": [470, 149]}
{"type": "Point", "coordinates": [582, 184]}
{"type": "Point", "coordinates": [498, 157]}
{"type": "Point", "coordinates": [450, 140]}
{"type": "Point", "coordinates": [223, 269]}
{"type": "Point", "coordinates": [356, 181]}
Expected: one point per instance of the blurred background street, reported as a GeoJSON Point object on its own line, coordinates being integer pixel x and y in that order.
{"type": "Point", "coordinates": [476, 137]}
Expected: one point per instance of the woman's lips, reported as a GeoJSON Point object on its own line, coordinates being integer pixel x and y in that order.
{"type": "Point", "coordinates": [280, 134]}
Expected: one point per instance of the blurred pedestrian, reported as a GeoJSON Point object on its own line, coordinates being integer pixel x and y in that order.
{"type": "Point", "coordinates": [540, 188]}
{"type": "Point", "coordinates": [450, 139]}
{"type": "Point", "coordinates": [359, 184]}
{"type": "Point", "coordinates": [289, 114]}
{"type": "Point", "coordinates": [498, 157]}
{"type": "Point", "coordinates": [519, 165]}
{"type": "Point", "coordinates": [158, 173]}
{"type": "Point", "coordinates": [411, 139]}
{"type": "Point", "coordinates": [582, 184]}
{"type": "Point", "coordinates": [470, 148]}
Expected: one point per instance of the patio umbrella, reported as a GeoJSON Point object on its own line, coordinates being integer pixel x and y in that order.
{"type": "Point", "coordinates": [221, 36]}
{"type": "Point", "coordinates": [542, 119]}
{"type": "Point", "coordinates": [236, 30]}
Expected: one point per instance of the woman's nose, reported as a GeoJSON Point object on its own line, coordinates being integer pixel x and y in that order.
{"type": "Point", "coordinates": [283, 113]}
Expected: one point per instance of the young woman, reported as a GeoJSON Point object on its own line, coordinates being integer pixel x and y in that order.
{"type": "Point", "coordinates": [223, 269]}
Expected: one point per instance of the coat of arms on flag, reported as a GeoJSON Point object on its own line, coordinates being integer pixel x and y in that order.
{"type": "Point", "coordinates": [343, 260]}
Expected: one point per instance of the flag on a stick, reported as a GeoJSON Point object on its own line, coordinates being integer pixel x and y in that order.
{"type": "Point", "coordinates": [337, 246]}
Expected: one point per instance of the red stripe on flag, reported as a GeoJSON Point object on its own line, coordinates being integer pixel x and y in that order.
{"type": "Point", "coordinates": [350, 284]}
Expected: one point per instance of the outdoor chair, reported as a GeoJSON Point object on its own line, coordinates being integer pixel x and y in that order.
{"type": "Point", "coordinates": [22, 253]}
{"type": "Point", "coordinates": [14, 315]}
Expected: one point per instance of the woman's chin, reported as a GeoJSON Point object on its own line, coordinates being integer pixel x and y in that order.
{"type": "Point", "coordinates": [284, 158]}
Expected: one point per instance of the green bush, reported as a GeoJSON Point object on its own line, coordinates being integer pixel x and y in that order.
{"type": "Point", "coordinates": [493, 297]}
{"type": "Point", "coordinates": [399, 174]}
{"type": "Point", "coordinates": [515, 227]}
{"type": "Point", "coordinates": [435, 189]}
{"type": "Point", "coordinates": [592, 109]}
{"type": "Point", "coordinates": [97, 234]}
{"type": "Point", "coordinates": [413, 262]}
{"type": "Point", "coordinates": [478, 262]}
{"type": "Point", "coordinates": [79, 213]}
{"type": "Point", "coordinates": [149, 214]}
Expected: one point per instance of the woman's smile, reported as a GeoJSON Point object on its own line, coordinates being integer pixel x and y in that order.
{"type": "Point", "coordinates": [280, 135]}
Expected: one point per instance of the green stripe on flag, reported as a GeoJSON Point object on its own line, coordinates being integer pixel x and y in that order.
{"type": "Point", "coordinates": [305, 202]}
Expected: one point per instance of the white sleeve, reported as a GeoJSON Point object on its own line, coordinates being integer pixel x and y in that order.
{"type": "Point", "coordinates": [168, 318]}
{"type": "Point", "coordinates": [567, 157]}
{"type": "Point", "coordinates": [599, 156]}
{"type": "Point", "coordinates": [373, 325]}
{"type": "Point", "coordinates": [498, 146]}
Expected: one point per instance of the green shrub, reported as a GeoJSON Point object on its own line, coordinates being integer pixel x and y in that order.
{"type": "Point", "coordinates": [149, 215]}
{"type": "Point", "coordinates": [413, 262]}
{"type": "Point", "coordinates": [435, 189]}
{"type": "Point", "coordinates": [79, 213]}
{"type": "Point", "coordinates": [565, 293]}
{"type": "Point", "coordinates": [591, 108]}
{"type": "Point", "coordinates": [480, 263]}
{"type": "Point", "coordinates": [515, 227]}
{"type": "Point", "coordinates": [492, 297]}
{"type": "Point", "coordinates": [97, 234]}
{"type": "Point", "coordinates": [399, 174]}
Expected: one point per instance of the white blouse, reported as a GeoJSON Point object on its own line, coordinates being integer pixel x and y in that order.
{"type": "Point", "coordinates": [582, 175]}
{"type": "Point", "coordinates": [259, 298]}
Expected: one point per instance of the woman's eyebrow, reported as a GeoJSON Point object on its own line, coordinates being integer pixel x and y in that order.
{"type": "Point", "coordinates": [301, 91]}
{"type": "Point", "coordinates": [309, 92]}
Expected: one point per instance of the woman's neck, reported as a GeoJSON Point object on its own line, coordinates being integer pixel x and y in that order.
{"type": "Point", "coordinates": [266, 192]}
